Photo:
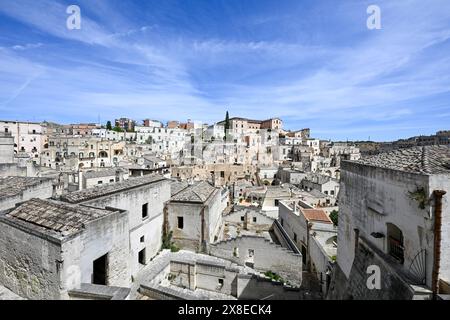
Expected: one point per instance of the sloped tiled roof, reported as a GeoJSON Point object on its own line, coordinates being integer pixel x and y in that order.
{"type": "Point", "coordinates": [176, 186]}
{"type": "Point", "coordinates": [424, 160]}
{"type": "Point", "coordinates": [104, 190]}
{"type": "Point", "coordinates": [316, 215]}
{"type": "Point", "coordinates": [13, 186]}
{"type": "Point", "coordinates": [56, 216]}
{"type": "Point", "coordinates": [199, 192]}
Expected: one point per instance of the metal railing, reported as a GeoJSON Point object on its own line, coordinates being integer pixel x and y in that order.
{"type": "Point", "coordinates": [396, 249]}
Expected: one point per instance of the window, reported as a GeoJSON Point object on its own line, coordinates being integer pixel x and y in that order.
{"type": "Point", "coordinates": [281, 221]}
{"type": "Point", "coordinates": [141, 257]}
{"type": "Point", "coordinates": [220, 282]}
{"type": "Point", "coordinates": [142, 239]}
{"type": "Point", "coordinates": [276, 202]}
{"type": "Point", "coordinates": [99, 182]}
{"type": "Point", "coordinates": [242, 218]}
{"type": "Point", "coordinates": [254, 219]}
{"type": "Point", "coordinates": [180, 222]}
{"type": "Point", "coordinates": [144, 211]}
{"type": "Point", "coordinates": [295, 237]}
{"type": "Point", "coordinates": [111, 180]}
{"type": "Point", "coordinates": [6, 130]}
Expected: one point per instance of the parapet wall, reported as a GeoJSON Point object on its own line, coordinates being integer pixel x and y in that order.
{"type": "Point", "coordinates": [267, 256]}
{"type": "Point", "coordinates": [393, 285]}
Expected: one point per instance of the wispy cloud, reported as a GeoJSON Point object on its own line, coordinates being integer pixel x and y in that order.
{"type": "Point", "coordinates": [316, 68]}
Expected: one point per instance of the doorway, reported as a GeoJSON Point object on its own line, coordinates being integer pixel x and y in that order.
{"type": "Point", "coordinates": [99, 275]}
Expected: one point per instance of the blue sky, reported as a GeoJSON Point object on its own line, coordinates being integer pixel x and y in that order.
{"type": "Point", "coordinates": [313, 63]}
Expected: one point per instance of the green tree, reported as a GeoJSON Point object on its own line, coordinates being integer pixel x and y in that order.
{"type": "Point", "coordinates": [334, 217]}
{"type": "Point", "coordinates": [117, 129]}
{"type": "Point", "coordinates": [227, 122]}
{"type": "Point", "coordinates": [108, 125]}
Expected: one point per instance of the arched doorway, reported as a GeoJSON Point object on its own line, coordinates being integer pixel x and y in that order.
{"type": "Point", "coordinates": [395, 242]}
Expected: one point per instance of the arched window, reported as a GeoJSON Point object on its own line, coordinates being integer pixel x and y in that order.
{"type": "Point", "coordinates": [395, 242]}
{"type": "Point", "coordinates": [103, 154]}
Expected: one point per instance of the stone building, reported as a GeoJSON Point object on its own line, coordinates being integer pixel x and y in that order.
{"type": "Point", "coordinates": [292, 176]}
{"type": "Point", "coordinates": [144, 199]}
{"type": "Point", "coordinates": [93, 178]}
{"type": "Point", "coordinates": [394, 213]}
{"type": "Point", "coordinates": [242, 126]}
{"type": "Point", "coordinates": [262, 255]}
{"type": "Point", "coordinates": [82, 152]}
{"type": "Point", "coordinates": [48, 248]}
{"type": "Point", "coordinates": [18, 189]}
{"type": "Point", "coordinates": [29, 137]}
{"type": "Point", "coordinates": [194, 215]}
{"type": "Point", "coordinates": [125, 124]}
{"type": "Point", "coordinates": [322, 183]}
{"type": "Point", "coordinates": [193, 276]}
{"type": "Point", "coordinates": [314, 234]}
{"type": "Point", "coordinates": [152, 123]}
{"type": "Point", "coordinates": [6, 148]}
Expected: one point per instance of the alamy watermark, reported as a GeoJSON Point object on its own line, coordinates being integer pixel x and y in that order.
{"type": "Point", "coordinates": [74, 20]}
{"type": "Point", "coordinates": [374, 279]}
{"type": "Point", "coordinates": [374, 19]}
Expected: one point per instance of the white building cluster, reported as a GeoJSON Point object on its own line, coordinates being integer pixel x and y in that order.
{"type": "Point", "coordinates": [240, 209]}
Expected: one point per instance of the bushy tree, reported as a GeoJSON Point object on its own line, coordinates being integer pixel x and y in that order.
{"type": "Point", "coordinates": [334, 217]}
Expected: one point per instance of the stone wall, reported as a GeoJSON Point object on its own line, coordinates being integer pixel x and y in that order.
{"type": "Point", "coordinates": [42, 191]}
{"type": "Point", "coordinates": [209, 274]}
{"type": "Point", "coordinates": [393, 285]}
{"type": "Point", "coordinates": [148, 228]}
{"type": "Point", "coordinates": [189, 237]}
{"type": "Point", "coordinates": [252, 287]}
{"type": "Point", "coordinates": [255, 220]}
{"type": "Point", "coordinates": [320, 262]}
{"type": "Point", "coordinates": [267, 256]}
{"type": "Point", "coordinates": [12, 169]}
{"type": "Point", "coordinates": [28, 263]}
{"type": "Point", "coordinates": [108, 235]}
{"type": "Point", "coordinates": [371, 197]}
